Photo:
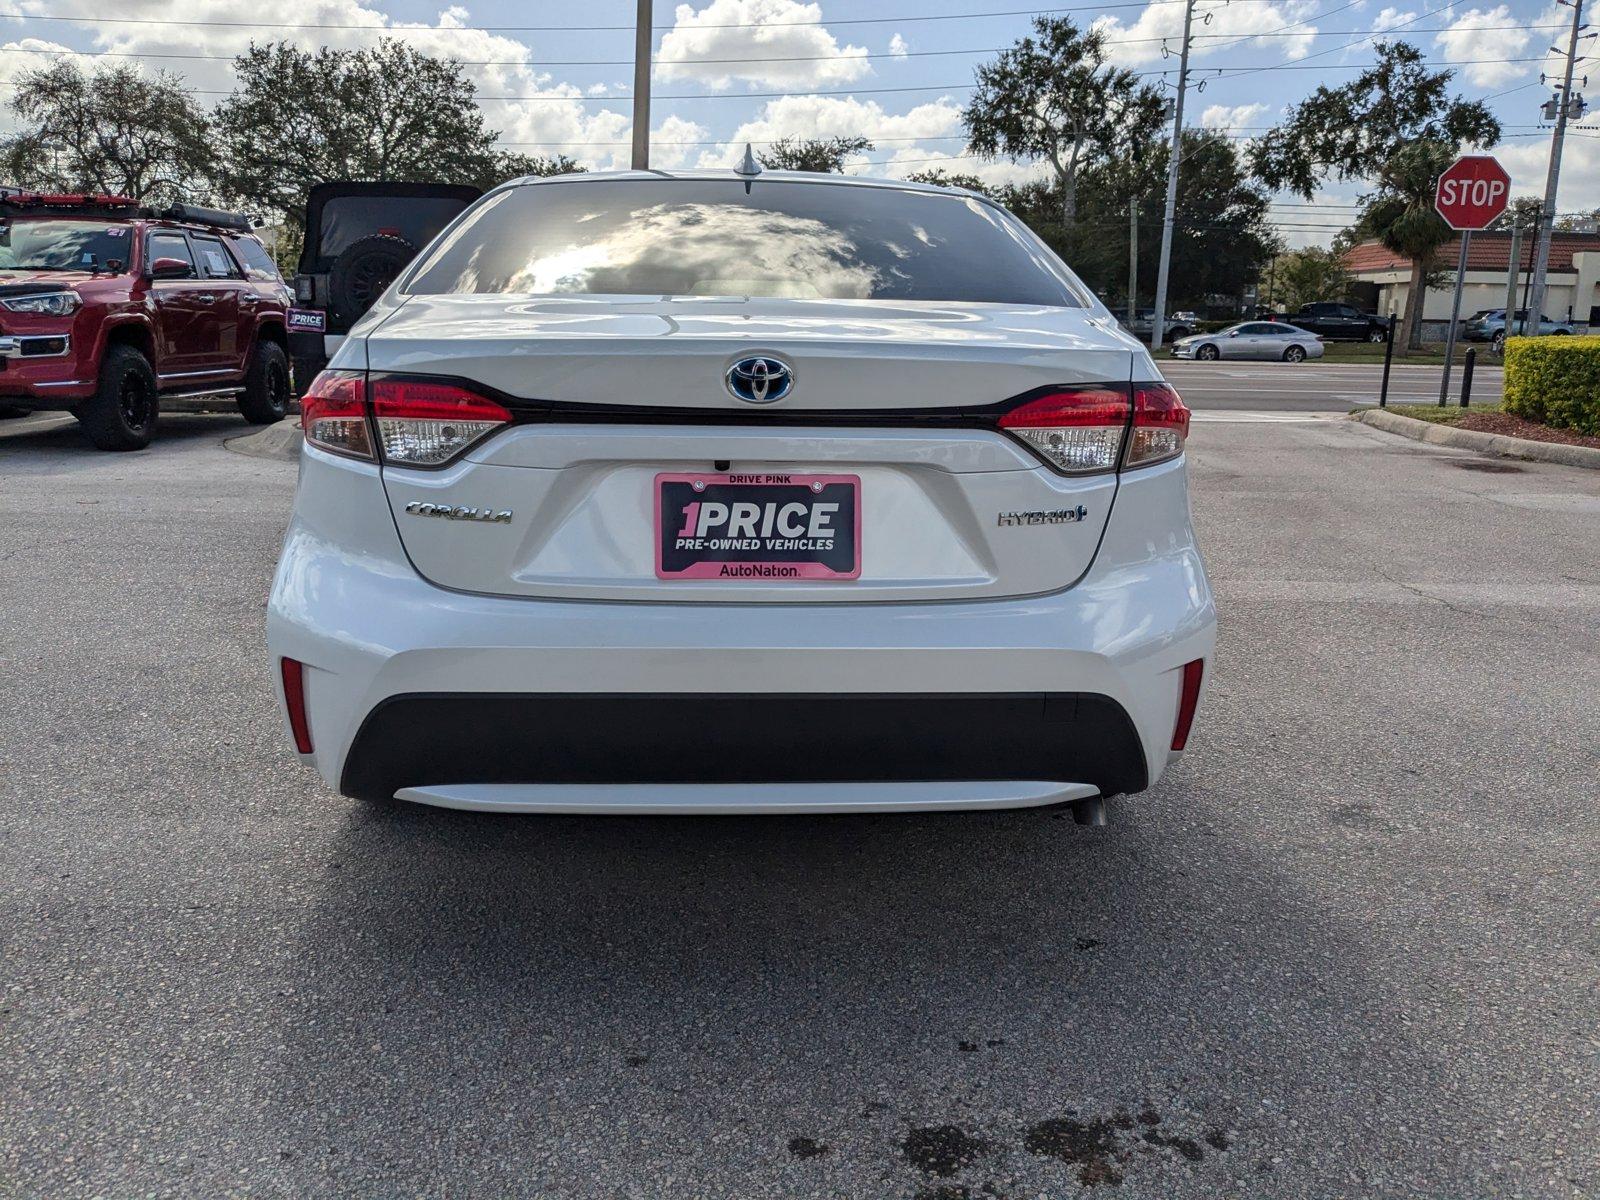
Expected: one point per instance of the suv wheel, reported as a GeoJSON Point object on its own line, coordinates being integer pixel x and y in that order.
{"type": "Point", "coordinates": [122, 413]}
{"type": "Point", "coordinates": [266, 385]}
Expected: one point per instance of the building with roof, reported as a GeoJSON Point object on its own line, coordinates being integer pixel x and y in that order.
{"type": "Point", "coordinates": [1572, 291]}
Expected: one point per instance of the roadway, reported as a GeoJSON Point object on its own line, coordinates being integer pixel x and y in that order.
{"type": "Point", "coordinates": [1317, 387]}
{"type": "Point", "coordinates": [1347, 947]}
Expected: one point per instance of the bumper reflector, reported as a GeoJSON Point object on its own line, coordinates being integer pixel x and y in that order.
{"type": "Point", "coordinates": [1188, 697]}
{"type": "Point", "coordinates": [294, 699]}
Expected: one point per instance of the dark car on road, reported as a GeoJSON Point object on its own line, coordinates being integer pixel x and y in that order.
{"type": "Point", "coordinates": [1337, 322]}
{"type": "Point", "coordinates": [108, 308]}
{"type": "Point", "coordinates": [358, 238]}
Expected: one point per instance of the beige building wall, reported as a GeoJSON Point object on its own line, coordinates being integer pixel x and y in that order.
{"type": "Point", "coordinates": [1487, 289]}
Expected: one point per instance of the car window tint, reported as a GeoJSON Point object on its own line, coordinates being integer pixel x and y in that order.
{"type": "Point", "coordinates": [170, 245]}
{"type": "Point", "coordinates": [258, 263]}
{"type": "Point", "coordinates": [214, 259]}
{"type": "Point", "coordinates": [698, 237]}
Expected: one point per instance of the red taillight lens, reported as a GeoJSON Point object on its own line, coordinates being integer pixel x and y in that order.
{"type": "Point", "coordinates": [1160, 425]}
{"type": "Point", "coordinates": [422, 423]}
{"type": "Point", "coordinates": [333, 414]}
{"type": "Point", "coordinates": [294, 700]}
{"type": "Point", "coordinates": [1188, 697]}
{"type": "Point", "coordinates": [1077, 431]}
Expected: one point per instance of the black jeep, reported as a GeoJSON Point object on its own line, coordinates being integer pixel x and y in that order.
{"type": "Point", "coordinates": [359, 237]}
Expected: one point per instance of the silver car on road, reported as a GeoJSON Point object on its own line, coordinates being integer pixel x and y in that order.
{"type": "Point", "coordinates": [1276, 341]}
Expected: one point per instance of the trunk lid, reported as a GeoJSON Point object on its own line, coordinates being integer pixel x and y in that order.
{"type": "Point", "coordinates": [611, 394]}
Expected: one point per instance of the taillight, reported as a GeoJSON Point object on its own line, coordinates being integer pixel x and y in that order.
{"type": "Point", "coordinates": [1160, 425]}
{"type": "Point", "coordinates": [1078, 431]}
{"type": "Point", "coordinates": [422, 423]}
{"type": "Point", "coordinates": [333, 414]}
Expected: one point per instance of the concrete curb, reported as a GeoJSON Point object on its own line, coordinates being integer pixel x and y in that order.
{"type": "Point", "coordinates": [1484, 443]}
{"type": "Point", "coordinates": [281, 441]}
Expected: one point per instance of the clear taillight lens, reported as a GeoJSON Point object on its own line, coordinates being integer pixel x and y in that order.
{"type": "Point", "coordinates": [422, 423]}
{"type": "Point", "coordinates": [1160, 425]}
{"type": "Point", "coordinates": [333, 414]}
{"type": "Point", "coordinates": [1078, 431]}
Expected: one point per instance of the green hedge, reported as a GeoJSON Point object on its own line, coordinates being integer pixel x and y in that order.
{"type": "Point", "coordinates": [1555, 380]}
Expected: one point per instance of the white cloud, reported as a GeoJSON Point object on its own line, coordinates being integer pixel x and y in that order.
{"type": "Point", "coordinates": [898, 46]}
{"type": "Point", "coordinates": [1528, 159]}
{"type": "Point", "coordinates": [1480, 34]}
{"type": "Point", "coordinates": [666, 142]}
{"type": "Point", "coordinates": [774, 29]}
{"type": "Point", "coordinates": [1233, 116]}
{"type": "Point", "coordinates": [1391, 18]}
{"type": "Point", "coordinates": [1232, 24]}
{"type": "Point", "coordinates": [842, 116]}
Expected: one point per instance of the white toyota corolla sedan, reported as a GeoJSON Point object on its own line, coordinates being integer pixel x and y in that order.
{"type": "Point", "coordinates": [710, 492]}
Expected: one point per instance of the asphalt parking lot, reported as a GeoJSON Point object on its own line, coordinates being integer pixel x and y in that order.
{"type": "Point", "coordinates": [1349, 947]}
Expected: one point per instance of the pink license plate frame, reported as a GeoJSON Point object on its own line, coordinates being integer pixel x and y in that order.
{"type": "Point", "coordinates": [761, 568]}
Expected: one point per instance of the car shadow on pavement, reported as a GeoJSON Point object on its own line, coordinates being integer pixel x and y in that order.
{"type": "Point", "coordinates": [58, 431]}
{"type": "Point", "coordinates": [874, 1006]}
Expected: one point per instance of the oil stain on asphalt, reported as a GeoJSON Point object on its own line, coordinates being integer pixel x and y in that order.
{"type": "Point", "coordinates": [1098, 1149]}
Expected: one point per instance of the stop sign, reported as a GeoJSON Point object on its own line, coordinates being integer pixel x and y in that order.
{"type": "Point", "coordinates": [1472, 192]}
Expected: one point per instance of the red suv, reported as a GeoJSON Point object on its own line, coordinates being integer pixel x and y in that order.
{"type": "Point", "coordinates": [106, 307]}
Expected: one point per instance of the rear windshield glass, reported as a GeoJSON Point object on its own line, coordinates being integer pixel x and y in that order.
{"type": "Point", "coordinates": [29, 245]}
{"type": "Point", "coordinates": [415, 219]}
{"type": "Point", "coordinates": [709, 238]}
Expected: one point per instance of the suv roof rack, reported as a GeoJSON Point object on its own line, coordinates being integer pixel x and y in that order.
{"type": "Point", "coordinates": [196, 215]}
{"type": "Point", "coordinates": [15, 200]}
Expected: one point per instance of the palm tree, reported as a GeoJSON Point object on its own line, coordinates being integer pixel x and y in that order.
{"type": "Point", "coordinates": [1401, 216]}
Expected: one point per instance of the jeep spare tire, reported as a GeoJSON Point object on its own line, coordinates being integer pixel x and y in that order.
{"type": "Point", "coordinates": [364, 270]}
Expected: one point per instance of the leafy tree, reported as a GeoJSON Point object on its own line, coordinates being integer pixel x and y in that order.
{"type": "Point", "coordinates": [1391, 125]}
{"type": "Point", "coordinates": [1523, 210]}
{"type": "Point", "coordinates": [530, 164]}
{"type": "Point", "coordinates": [1304, 276]}
{"type": "Point", "coordinates": [1053, 96]}
{"type": "Point", "coordinates": [813, 154]}
{"type": "Point", "coordinates": [1222, 238]}
{"type": "Point", "coordinates": [1350, 132]}
{"type": "Point", "coordinates": [114, 130]}
{"type": "Point", "coordinates": [385, 112]}
{"type": "Point", "coordinates": [943, 178]}
{"type": "Point", "coordinates": [1400, 214]}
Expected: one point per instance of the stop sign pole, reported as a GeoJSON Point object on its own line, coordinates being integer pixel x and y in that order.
{"type": "Point", "coordinates": [1470, 194]}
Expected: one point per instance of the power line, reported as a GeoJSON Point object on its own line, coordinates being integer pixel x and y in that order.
{"type": "Point", "coordinates": [900, 20]}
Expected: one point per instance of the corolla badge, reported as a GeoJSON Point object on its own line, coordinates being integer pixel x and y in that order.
{"type": "Point", "coordinates": [760, 379]}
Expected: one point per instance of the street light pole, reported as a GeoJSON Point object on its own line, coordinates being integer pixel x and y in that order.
{"type": "Point", "coordinates": [1157, 326]}
{"type": "Point", "coordinates": [1547, 214]}
{"type": "Point", "coordinates": [641, 88]}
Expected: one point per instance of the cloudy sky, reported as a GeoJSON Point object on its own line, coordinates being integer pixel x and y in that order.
{"type": "Point", "coordinates": [554, 76]}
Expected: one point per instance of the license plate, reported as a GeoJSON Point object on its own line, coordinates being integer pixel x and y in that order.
{"type": "Point", "coordinates": [762, 526]}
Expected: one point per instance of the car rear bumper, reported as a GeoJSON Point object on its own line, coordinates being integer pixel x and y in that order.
{"type": "Point", "coordinates": [519, 704]}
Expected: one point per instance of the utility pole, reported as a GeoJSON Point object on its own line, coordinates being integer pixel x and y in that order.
{"type": "Point", "coordinates": [1564, 105]}
{"type": "Point", "coordinates": [1133, 257]}
{"type": "Point", "coordinates": [642, 41]}
{"type": "Point", "coordinates": [1513, 262]}
{"type": "Point", "coordinates": [1158, 325]}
